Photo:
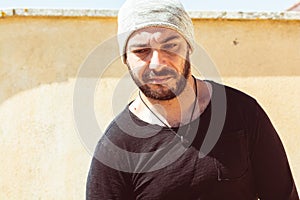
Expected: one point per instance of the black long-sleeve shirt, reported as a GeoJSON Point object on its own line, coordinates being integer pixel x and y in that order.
{"type": "Point", "coordinates": [137, 160]}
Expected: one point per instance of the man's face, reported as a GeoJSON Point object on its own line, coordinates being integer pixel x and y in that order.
{"type": "Point", "coordinates": [158, 60]}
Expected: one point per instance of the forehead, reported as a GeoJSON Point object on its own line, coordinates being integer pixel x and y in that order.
{"type": "Point", "coordinates": [145, 36]}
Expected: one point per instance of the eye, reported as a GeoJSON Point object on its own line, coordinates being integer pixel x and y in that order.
{"type": "Point", "coordinates": [140, 51]}
{"type": "Point", "coordinates": [170, 46]}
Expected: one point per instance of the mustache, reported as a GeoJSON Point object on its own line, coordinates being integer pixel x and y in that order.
{"type": "Point", "coordinates": [149, 74]}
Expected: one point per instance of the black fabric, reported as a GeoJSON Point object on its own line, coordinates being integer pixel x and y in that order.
{"type": "Point", "coordinates": [248, 161]}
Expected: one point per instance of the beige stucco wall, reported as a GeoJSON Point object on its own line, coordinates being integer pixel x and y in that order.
{"type": "Point", "coordinates": [42, 154]}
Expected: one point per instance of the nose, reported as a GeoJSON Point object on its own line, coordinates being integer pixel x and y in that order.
{"type": "Point", "coordinates": [156, 59]}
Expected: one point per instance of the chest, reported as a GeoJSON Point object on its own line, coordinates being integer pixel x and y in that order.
{"type": "Point", "coordinates": [226, 170]}
{"type": "Point", "coordinates": [185, 176]}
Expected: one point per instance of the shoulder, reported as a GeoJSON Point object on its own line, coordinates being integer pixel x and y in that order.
{"type": "Point", "coordinates": [119, 125]}
{"type": "Point", "coordinates": [125, 130]}
{"type": "Point", "coordinates": [112, 145]}
{"type": "Point", "coordinates": [233, 96]}
{"type": "Point", "coordinates": [240, 108]}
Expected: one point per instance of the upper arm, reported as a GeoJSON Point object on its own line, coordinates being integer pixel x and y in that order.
{"type": "Point", "coordinates": [272, 172]}
{"type": "Point", "coordinates": [104, 182]}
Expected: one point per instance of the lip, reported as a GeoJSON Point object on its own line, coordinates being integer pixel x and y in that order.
{"type": "Point", "coordinates": [159, 80]}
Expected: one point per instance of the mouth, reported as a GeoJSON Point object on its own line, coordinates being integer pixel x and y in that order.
{"type": "Point", "coordinates": [159, 80]}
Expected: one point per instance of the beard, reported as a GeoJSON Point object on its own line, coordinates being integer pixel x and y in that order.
{"type": "Point", "coordinates": [163, 91]}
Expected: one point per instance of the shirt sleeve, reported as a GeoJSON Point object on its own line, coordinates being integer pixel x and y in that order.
{"type": "Point", "coordinates": [273, 177]}
{"type": "Point", "coordinates": [106, 183]}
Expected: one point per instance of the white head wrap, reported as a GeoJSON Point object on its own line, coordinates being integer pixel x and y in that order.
{"type": "Point", "coordinates": [138, 14]}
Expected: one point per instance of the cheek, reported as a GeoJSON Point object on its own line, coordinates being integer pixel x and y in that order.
{"type": "Point", "coordinates": [134, 61]}
{"type": "Point", "coordinates": [176, 57]}
{"type": "Point", "coordinates": [136, 70]}
{"type": "Point", "coordinates": [178, 63]}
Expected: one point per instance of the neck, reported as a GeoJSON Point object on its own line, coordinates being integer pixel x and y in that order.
{"type": "Point", "coordinates": [173, 112]}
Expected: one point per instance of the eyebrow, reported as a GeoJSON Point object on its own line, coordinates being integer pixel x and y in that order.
{"type": "Point", "coordinates": [173, 37]}
{"type": "Point", "coordinates": [138, 45]}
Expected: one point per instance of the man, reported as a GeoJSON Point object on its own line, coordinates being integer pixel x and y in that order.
{"type": "Point", "coordinates": [153, 149]}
